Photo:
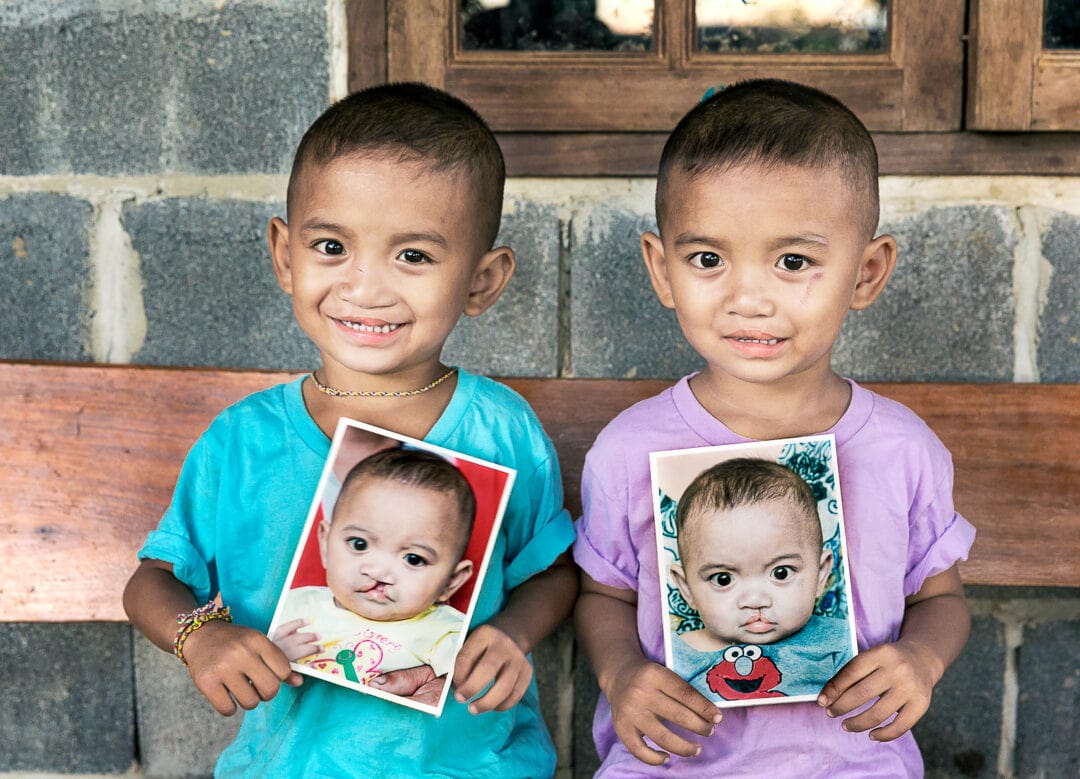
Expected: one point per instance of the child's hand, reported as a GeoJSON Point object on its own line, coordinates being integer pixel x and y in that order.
{"type": "Point", "coordinates": [235, 665]}
{"type": "Point", "coordinates": [645, 699]}
{"type": "Point", "coordinates": [418, 683]}
{"type": "Point", "coordinates": [898, 675]}
{"type": "Point", "coordinates": [902, 675]}
{"type": "Point", "coordinates": [294, 643]}
{"type": "Point", "coordinates": [490, 656]}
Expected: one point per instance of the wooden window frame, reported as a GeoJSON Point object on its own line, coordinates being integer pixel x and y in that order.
{"type": "Point", "coordinates": [1007, 50]}
{"type": "Point", "coordinates": [608, 114]}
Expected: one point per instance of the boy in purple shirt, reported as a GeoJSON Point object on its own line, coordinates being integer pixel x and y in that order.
{"type": "Point", "coordinates": [767, 204]}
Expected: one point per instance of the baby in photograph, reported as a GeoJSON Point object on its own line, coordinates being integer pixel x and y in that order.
{"type": "Point", "coordinates": [393, 552]}
{"type": "Point", "coordinates": [753, 565]}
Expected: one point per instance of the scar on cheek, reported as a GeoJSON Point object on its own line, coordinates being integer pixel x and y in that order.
{"type": "Point", "coordinates": [810, 285]}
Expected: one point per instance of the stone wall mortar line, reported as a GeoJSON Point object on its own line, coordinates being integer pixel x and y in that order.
{"type": "Point", "coordinates": [900, 195]}
{"type": "Point", "coordinates": [1010, 700]}
{"type": "Point", "coordinates": [564, 314]}
{"type": "Point", "coordinates": [1027, 267]}
{"type": "Point", "coordinates": [117, 314]}
{"type": "Point", "coordinates": [269, 188]}
{"type": "Point", "coordinates": [337, 34]}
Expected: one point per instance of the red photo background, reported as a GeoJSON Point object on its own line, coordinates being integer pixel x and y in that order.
{"type": "Point", "coordinates": [487, 484]}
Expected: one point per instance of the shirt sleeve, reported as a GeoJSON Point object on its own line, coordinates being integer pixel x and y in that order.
{"type": "Point", "coordinates": [605, 548]}
{"type": "Point", "coordinates": [183, 536]}
{"type": "Point", "coordinates": [939, 537]}
{"type": "Point", "coordinates": [548, 531]}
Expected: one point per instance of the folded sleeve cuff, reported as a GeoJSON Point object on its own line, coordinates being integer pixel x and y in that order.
{"type": "Point", "coordinates": [188, 565]}
{"type": "Point", "coordinates": [541, 550]}
{"type": "Point", "coordinates": [951, 546]}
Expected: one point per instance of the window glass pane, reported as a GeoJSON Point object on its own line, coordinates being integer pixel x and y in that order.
{"type": "Point", "coordinates": [1062, 27]}
{"type": "Point", "coordinates": [557, 25]}
{"type": "Point", "coordinates": [786, 26]}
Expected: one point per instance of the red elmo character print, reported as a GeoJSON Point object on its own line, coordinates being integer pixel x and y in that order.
{"type": "Point", "coordinates": [744, 674]}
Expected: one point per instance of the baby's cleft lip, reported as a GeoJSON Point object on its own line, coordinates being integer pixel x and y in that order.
{"type": "Point", "coordinates": [758, 624]}
{"type": "Point", "coordinates": [375, 590]}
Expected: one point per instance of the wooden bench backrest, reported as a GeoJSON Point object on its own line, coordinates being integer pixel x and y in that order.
{"type": "Point", "coordinates": [89, 456]}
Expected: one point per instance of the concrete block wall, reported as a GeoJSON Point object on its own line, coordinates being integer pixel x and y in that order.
{"type": "Point", "coordinates": [144, 145]}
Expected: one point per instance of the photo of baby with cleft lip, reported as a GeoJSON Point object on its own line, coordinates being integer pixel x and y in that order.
{"type": "Point", "coordinates": [394, 547]}
{"type": "Point", "coordinates": [754, 588]}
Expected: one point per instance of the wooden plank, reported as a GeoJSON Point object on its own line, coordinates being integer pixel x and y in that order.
{"type": "Point", "coordinates": [645, 95]}
{"type": "Point", "coordinates": [366, 24]}
{"type": "Point", "coordinates": [90, 455]}
{"type": "Point", "coordinates": [1004, 41]}
{"type": "Point", "coordinates": [907, 154]}
{"type": "Point", "coordinates": [929, 37]}
{"type": "Point", "coordinates": [1054, 103]}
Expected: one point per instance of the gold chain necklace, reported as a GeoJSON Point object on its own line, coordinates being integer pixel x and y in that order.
{"type": "Point", "coordinates": [336, 393]}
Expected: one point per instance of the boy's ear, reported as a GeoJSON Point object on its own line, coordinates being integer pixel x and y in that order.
{"type": "Point", "coordinates": [277, 236]}
{"type": "Point", "coordinates": [490, 278]}
{"type": "Point", "coordinates": [679, 575]}
{"type": "Point", "coordinates": [462, 571]}
{"type": "Point", "coordinates": [877, 264]}
{"type": "Point", "coordinates": [652, 250]}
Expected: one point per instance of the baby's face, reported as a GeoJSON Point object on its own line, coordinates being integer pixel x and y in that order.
{"type": "Point", "coordinates": [392, 550]}
{"type": "Point", "coordinates": [753, 573]}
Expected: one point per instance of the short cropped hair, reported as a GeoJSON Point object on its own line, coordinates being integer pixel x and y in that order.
{"type": "Point", "coordinates": [414, 123]}
{"type": "Point", "coordinates": [770, 122]}
{"type": "Point", "coordinates": [417, 468]}
{"type": "Point", "coordinates": [744, 481]}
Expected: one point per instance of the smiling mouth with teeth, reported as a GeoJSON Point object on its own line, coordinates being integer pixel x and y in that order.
{"type": "Point", "coordinates": [360, 327]}
{"type": "Point", "coordinates": [770, 341]}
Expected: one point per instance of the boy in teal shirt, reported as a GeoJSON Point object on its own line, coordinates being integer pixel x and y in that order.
{"type": "Point", "coordinates": [394, 204]}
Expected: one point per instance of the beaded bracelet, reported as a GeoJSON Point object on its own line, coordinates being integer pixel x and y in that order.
{"type": "Point", "coordinates": [189, 623]}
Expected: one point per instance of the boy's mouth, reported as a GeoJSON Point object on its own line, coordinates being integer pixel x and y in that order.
{"type": "Point", "coordinates": [769, 341]}
{"type": "Point", "coordinates": [755, 337]}
{"type": "Point", "coordinates": [369, 326]}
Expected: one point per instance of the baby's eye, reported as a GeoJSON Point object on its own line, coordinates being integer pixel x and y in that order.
{"type": "Point", "coordinates": [721, 579]}
{"type": "Point", "coordinates": [413, 257]}
{"type": "Point", "coordinates": [330, 247]}
{"type": "Point", "coordinates": [706, 260]}
{"type": "Point", "coordinates": [356, 544]}
{"type": "Point", "coordinates": [793, 262]}
{"type": "Point", "coordinates": [415, 560]}
{"type": "Point", "coordinates": [783, 572]}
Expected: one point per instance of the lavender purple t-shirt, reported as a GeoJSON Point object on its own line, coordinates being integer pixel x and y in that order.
{"type": "Point", "coordinates": [896, 482]}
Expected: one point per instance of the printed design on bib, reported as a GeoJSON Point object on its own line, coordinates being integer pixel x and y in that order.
{"type": "Point", "coordinates": [744, 674]}
{"type": "Point", "coordinates": [359, 664]}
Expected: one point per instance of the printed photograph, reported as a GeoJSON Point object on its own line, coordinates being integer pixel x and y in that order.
{"type": "Point", "coordinates": [384, 580]}
{"type": "Point", "coordinates": [753, 568]}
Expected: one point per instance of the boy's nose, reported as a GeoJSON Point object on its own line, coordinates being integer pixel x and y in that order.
{"type": "Point", "coordinates": [363, 283]}
{"type": "Point", "coordinates": [747, 291]}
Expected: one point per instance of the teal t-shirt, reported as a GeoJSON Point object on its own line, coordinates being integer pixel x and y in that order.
{"type": "Point", "coordinates": [239, 508]}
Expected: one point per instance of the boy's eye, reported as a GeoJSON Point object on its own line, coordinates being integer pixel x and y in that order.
{"type": "Point", "coordinates": [415, 560]}
{"type": "Point", "coordinates": [414, 257]}
{"type": "Point", "coordinates": [783, 572]}
{"type": "Point", "coordinates": [356, 544]}
{"type": "Point", "coordinates": [793, 262]}
{"type": "Point", "coordinates": [330, 247]}
{"type": "Point", "coordinates": [706, 260]}
{"type": "Point", "coordinates": [721, 579]}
